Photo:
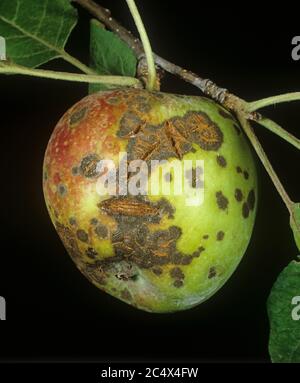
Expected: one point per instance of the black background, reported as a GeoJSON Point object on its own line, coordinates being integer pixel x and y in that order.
{"type": "Point", "coordinates": [53, 312]}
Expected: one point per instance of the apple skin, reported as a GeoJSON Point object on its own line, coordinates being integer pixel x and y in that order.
{"type": "Point", "coordinates": [152, 252]}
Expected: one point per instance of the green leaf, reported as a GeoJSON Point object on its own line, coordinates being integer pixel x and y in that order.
{"type": "Point", "coordinates": [36, 31]}
{"type": "Point", "coordinates": [295, 223]}
{"type": "Point", "coordinates": [284, 315]}
{"type": "Point", "coordinates": [109, 55]}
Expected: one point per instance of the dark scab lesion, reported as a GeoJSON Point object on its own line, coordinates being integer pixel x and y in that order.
{"type": "Point", "coordinates": [91, 253]}
{"type": "Point", "coordinates": [94, 221]}
{"type": "Point", "coordinates": [205, 236]}
{"type": "Point", "coordinates": [69, 240]}
{"type": "Point", "coordinates": [101, 231]}
{"type": "Point", "coordinates": [178, 283]}
{"type": "Point", "coordinates": [238, 194]}
{"type": "Point", "coordinates": [157, 271]}
{"type": "Point", "coordinates": [246, 174]}
{"type": "Point", "coordinates": [134, 241]}
{"type": "Point", "coordinates": [221, 161]}
{"type": "Point", "coordinates": [165, 207]}
{"type": "Point", "coordinates": [130, 125]}
{"type": "Point", "coordinates": [72, 221]}
{"type": "Point", "coordinates": [77, 116]}
{"type": "Point", "coordinates": [212, 272]}
{"type": "Point", "coordinates": [89, 166]}
{"type": "Point", "coordinates": [245, 210]}
{"type": "Point", "coordinates": [113, 100]}
{"type": "Point", "coordinates": [222, 201]}
{"type": "Point", "coordinates": [220, 235]}
{"type": "Point", "coordinates": [75, 171]}
{"type": "Point", "coordinates": [203, 131]}
{"type": "Point", "coordinates": [251, 199]}
{"type": "Point", "coordinates": [82, 235]}
{"type": "Point", "coordinates": [176, 273]}
{"type": "Point", "coordinates": [62, 190]}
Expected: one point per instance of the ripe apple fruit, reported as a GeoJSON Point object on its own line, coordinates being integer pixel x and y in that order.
{"type": "Point", "coordinates": [157, 252]}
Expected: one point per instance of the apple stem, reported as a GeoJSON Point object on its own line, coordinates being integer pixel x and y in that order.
{"type": "Point", "coordinates": [255, 105]}
{"type": "Point", "coordinates": [151, 81]}
{"type": "Point", "coordinates": [8, 68]}
{"type": "Point", "coordinates": [265, 161]}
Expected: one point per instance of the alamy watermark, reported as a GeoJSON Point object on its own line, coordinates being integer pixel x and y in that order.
{"type": "Point", "coordinates": [2, 309]}
{"type": "Point", "coordinates": [296, 50]}
{"type": "Point", "coordinates": [2, 49]}
{"type": "Point", "coordinates": [296, 310]}
{"type": "Point", "coordinates": [156, 177]}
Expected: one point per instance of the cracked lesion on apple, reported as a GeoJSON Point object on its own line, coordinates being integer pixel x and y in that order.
{"type": "Point", "coordinates": [172, 138]}
{"type": "Point", "coordinates": [134, 241]}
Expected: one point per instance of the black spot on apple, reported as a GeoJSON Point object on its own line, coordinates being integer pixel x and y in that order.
{"type": "Point", "coordinates": [94, 221]}
{"type": "Point", "coordinates": [246, 174]}
{"type": "Point", "coordinates": [130, 125]}
{"type": "Point", "coordinates": [157, 271]}
{"type": "Point", "coordinates": [221, 161]}
{"type": "Point", "coordinates": [176, 273]}
{"type": "Point", "coordinates": [239, 169]}
{"type": "Point", "coordinates": [82, 235]}
{"type": "Point", "coordinates": [222, 201]}
{"type": "Point", "coordinates": [101, 231]}
{"type": "Point", "coordinates": [91, 253]}
{"type": "Point", "coordinates": [238, 194]}
{"type": "Point", "coordinates": [220, 235]}
{"type": "Point", "coordinates": [77, 116]}
{"type": "Point", "coordinates": [212, 272]}
{"type": "Point", "coordinates": [72, 221]}
{"type": "Point", "coordinates": [206, 236]}
{"type": "Point", "coordinates": [113, 100]}
{"type": "Point", "coordinates": [69, 240]}
{"type": "Point", "coordinates": [251, 199]}
{"type": "Point", "coordinates": [75, 171]}
{"type": "Point", "coordinates": [178, 283]}
{"type": "Point", "coordinates": [62, 190]}
{"type": "Point", "coordinates": [89, 167]}
{"type": "Point", "coordinates": [245, 210]}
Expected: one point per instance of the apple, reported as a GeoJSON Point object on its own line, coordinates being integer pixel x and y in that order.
{"type": "Point", "coordinates": [157, 251]}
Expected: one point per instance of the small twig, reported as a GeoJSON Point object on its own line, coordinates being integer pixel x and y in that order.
{"type": "Point", "coordinates": [277, 129]}
{"type": "Point", "coordinates": [267, 164]}
{"type": "Point", "coordinates": [151, 80]}
{"type": "Point", "coordinates": [254, 105]}
{"type": "Point", "coordinates": [8, 68]}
